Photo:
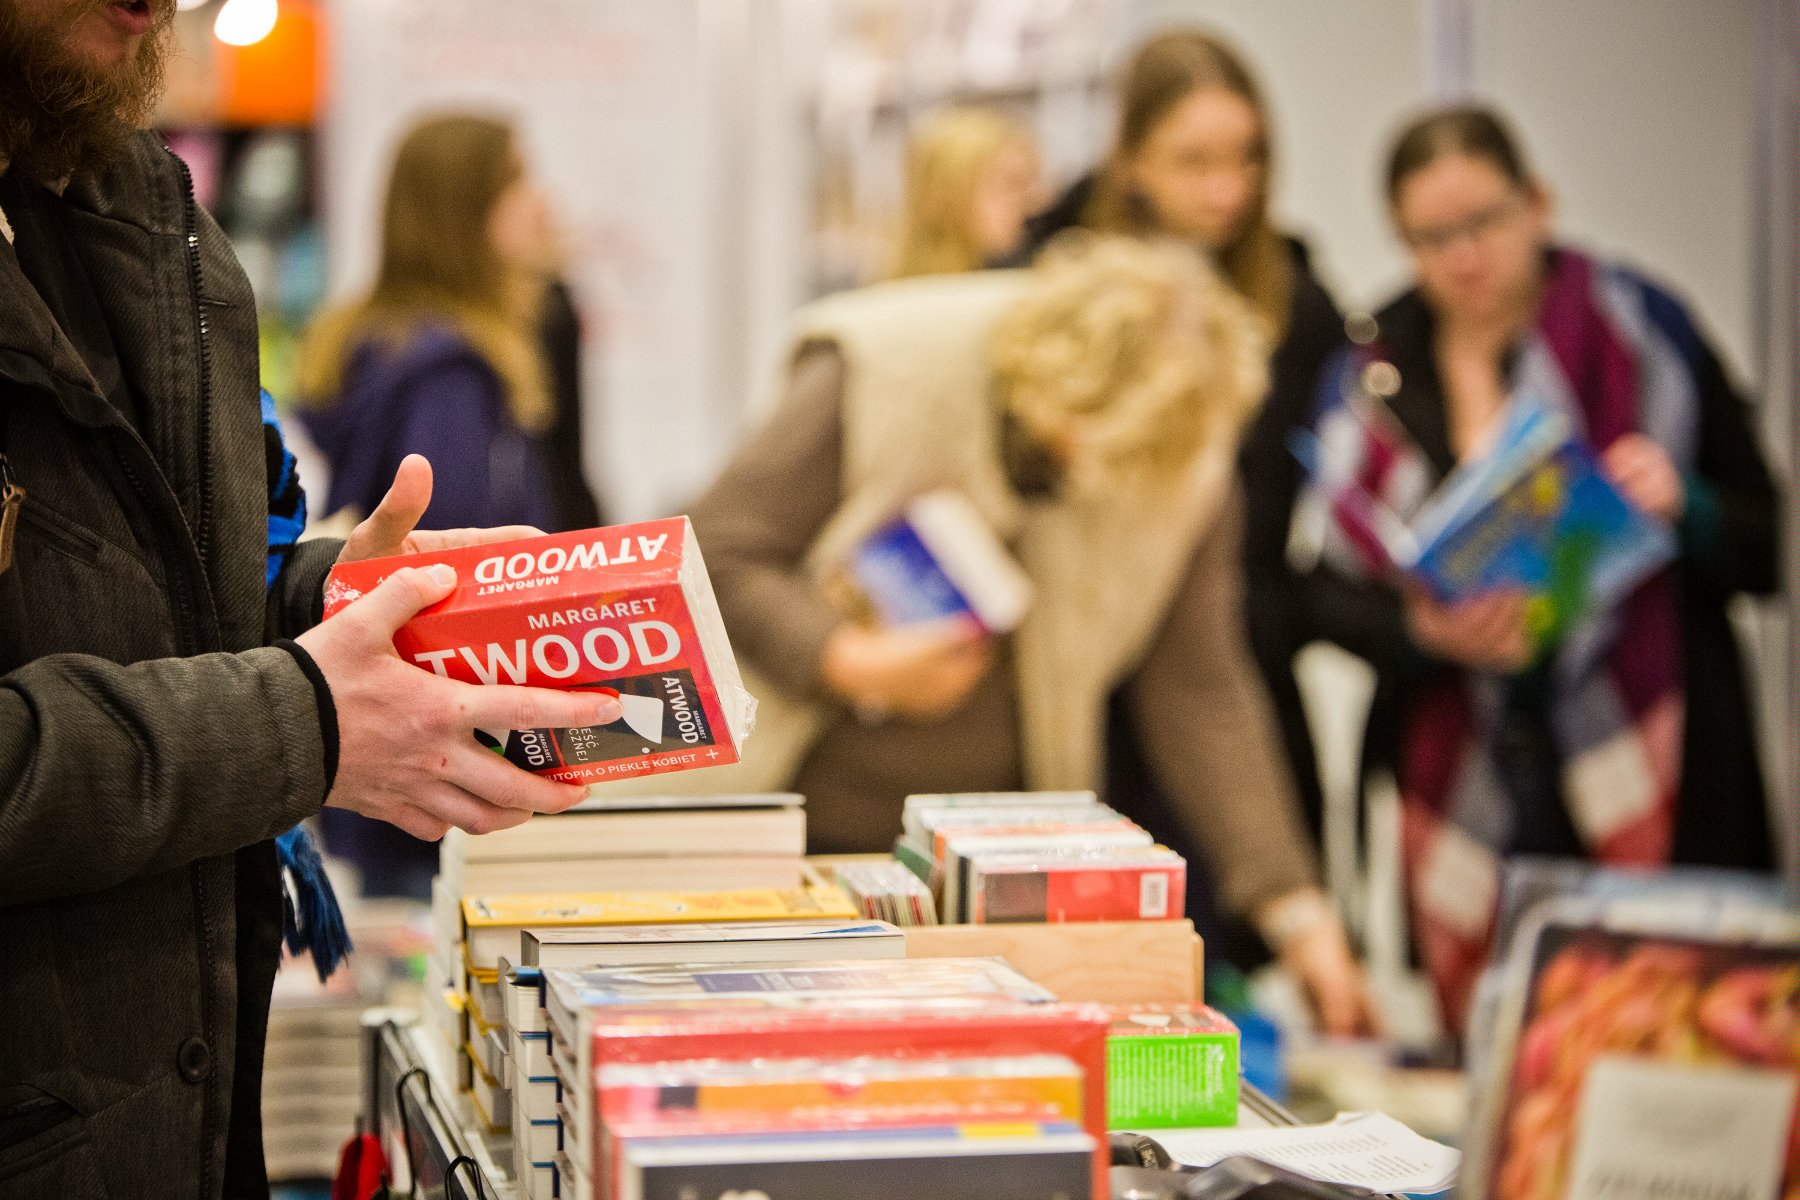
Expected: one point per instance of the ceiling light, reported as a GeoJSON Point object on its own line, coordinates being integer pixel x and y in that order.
{"type": "Point", "coordinates": [245, 22]}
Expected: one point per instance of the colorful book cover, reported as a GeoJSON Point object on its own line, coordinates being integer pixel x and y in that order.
{"type": "Point", "coordinates": [937, 561]}
{"type": "Point", "coordinates": [1091, 885]}
{"type": "Point", "coordinates": [895, 1028]}
{"type": "Point", "coordinates": [1005, 1162]}
{"type": "Point", "coordinates": [492, 924]}
{"type": "Point", "coordinates": [1171, 1067]}
{"type": "Point", "coordinates": [828, 982]}
{"type": "Point", "coordinates": [1642, 1064]}
{"type": "Point", "coordinates": [839, 1093]}
{"type": "Point", "coordinates": [626, 610]}
{"type": "Point", "coordinates": [642, 908]}
{"type": "Point", "coordinates": [1535, 513]}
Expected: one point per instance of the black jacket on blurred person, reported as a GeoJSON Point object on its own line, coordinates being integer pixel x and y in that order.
{"type": "Point", "coordinates": [1271, 476]}
{"type": "Point", "coordinates": [1721, 814]}
{"type": "Point", "coordinates": [559, 327]}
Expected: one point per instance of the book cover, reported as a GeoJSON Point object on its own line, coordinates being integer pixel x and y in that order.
{"type": "Point", "coordinates": [1639, 1062]}
{"type": "Point", "coordinates": [838, 1093]}
{"type": "Point", "coordinates": [835, 982]}
{"type": "Point", "coordinates": [627, 610]}
{"type": "Point", "coordinates": [896, 1028]}
{"type": "Point", "coordinates": [1123, 884]}
{"type": "Point", "coordinates": [1047, 1162]}
{"type": "Point", "coordinates": [1535, 513]}
{"type": "Point", "coordinates": [937, 561]}
{"type": "Point", "coordinates": [491, 924]}
{"type": "Point", "coordinates": [1171, 1067]}
{"type": "Point", "coordinates": [622, 945]}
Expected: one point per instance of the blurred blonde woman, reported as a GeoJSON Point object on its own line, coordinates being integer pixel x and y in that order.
{"type": "Point", "coordinates": [1089, 409]}
{"type": "Point", "coordinates": [972, 181]}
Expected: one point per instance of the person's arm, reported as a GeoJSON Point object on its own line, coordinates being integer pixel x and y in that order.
{"type": "Point", "coordinates": [1729, 528]}
{"type": "Point", "coordinates": [1204, 722]}
{"type": "Point", "coordinates": [760, 517]}
{"type": "Point", "coordinates": [108, 773]}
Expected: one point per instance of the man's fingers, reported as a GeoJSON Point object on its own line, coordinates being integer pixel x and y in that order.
{"type": "Point", "coordinates": [407, 498]}
{"type": "Point", "coordinates": [402, 594]}
{"type": "Point", "coordinates": [491, 778]}
{"type": "Point", "coordinates": [447, 802]}
{"type": "Point", "coordinates": [506, 707]}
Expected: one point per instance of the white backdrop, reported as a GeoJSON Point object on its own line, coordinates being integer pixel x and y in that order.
{"type": "Point", "coordinates": [611, 97]}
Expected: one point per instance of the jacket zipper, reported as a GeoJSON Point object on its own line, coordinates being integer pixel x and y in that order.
{"type": "Point", "coordinates": [191, 229]}
{"type": "Point", "coordinates": [202, 539]}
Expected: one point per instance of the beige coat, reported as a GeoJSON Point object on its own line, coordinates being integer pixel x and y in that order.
{"type": "Point", "coordinates": [895, 405]}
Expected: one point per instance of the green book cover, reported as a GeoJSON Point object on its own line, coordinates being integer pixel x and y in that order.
{"type": "Point", "coordinates": [1171, 1068]}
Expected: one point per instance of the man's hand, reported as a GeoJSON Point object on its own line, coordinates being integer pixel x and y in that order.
{"type": "Point", "coordinates": [1485, 632]}
{"type": "Point", "coordinates": [406, 737]}
{"type": "Point", "coordinates": [1642, 470]}
{"type": "Point", "coordinates": [389, 529]}
{"type": "Point", "coordinates": [924, 670]}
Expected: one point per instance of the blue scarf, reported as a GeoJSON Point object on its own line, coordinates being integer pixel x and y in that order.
{"type": "Point", "coordinates": [310, 917]}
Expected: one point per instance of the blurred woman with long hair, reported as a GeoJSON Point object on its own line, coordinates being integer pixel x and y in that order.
{"type": "Point", "coordinates": [442, 355]}
{"type": "Point", "coordinates": [1192, 160]}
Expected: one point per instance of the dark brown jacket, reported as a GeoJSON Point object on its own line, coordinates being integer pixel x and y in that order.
{"type": "Point", "coordinates": [149, 746]}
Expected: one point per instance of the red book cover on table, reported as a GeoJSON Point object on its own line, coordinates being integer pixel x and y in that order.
{"type": "Point", "coordinates": [627, 610]}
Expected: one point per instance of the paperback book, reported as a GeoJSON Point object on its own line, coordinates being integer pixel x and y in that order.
{"type": "Point", "coordinates": [626, 610]}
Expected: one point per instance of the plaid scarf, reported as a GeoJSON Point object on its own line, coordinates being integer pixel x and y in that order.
{"type": "Point", "coordinates": [1616, 356]}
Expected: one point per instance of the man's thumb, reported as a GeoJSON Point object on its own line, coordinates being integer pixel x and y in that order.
{"type": "Point", "coordinates": [398, 597]}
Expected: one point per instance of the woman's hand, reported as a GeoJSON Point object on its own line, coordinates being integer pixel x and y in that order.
{"type": "Point", "coordinates": [1484, 632]}
{"type": "Point", "coordinates": [1642, 470]}
{"type": "Point", "coordinates": [924, 670]}
{"type": "Point", "coordinates": [1307, 935]}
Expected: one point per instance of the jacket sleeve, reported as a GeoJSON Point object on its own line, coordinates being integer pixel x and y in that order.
{"type": "Point", "coordinates": [110, 772]}
{"type": "Point", "coordinates": [1730, 530]}
{"type": "Point", "coordinates": [297, 596]}
{"type": "Point", "coordinates": [763, 514]}
{"type": "Point", "coordinates": [1203, 719]}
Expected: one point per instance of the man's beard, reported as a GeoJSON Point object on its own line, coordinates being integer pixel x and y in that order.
{"type": "Point", "coordinates": [60, 116]}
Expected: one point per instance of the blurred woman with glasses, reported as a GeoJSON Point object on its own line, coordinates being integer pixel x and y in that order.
{"type": "Point", "coordinates": [1631, 739]}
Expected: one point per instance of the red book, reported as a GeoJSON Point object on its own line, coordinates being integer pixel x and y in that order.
{"type": "Point", "coordinates": [627, 610]}
{"type": "Point", "coordinates": [1118, 884]}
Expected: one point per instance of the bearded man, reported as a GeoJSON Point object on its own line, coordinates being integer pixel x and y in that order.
{"type": "Point", "coordinates": [160, 740]}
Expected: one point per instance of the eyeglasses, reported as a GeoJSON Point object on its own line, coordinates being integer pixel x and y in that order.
{"type": "Point", "coordinates": [1436, 239]}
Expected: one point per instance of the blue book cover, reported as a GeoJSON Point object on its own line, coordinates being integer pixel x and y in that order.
{"type": "Point", "coordinates": [902, 580]}
{"type": "Point", "coordinates": [1537, 514]}
{"type": "Point", "coordinates": [938, 560]}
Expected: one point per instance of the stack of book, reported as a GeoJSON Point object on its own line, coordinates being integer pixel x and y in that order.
{"type": "Point", "coordinates": [887, 890]}
{"type": "Point", "coordinates": [312, 1072]}
{"type": "Point", "coordinates": [600, 863]}
{"type": "Point", "coordinates": [1038, 857]}
{"type": "Point", "coordinates": [538, 1099]}
{"type": "Point", "coordinates": [312, 1055]}
{"type": "Point", "coordinates": [866, 1077]}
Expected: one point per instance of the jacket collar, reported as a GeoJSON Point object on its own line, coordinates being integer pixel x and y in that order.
{"type": "Point", "coordinates": [139, 191]}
